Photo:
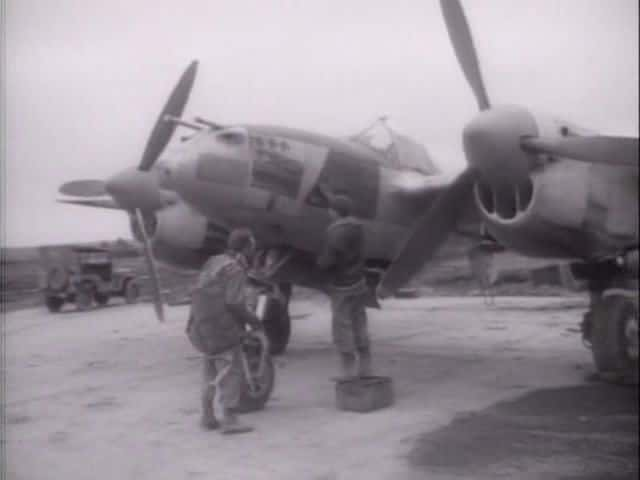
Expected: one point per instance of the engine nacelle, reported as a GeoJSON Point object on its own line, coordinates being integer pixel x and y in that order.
{"type": "Point", "coordinates": [554, 206]}
{"type": "Point", "coordinates": [182, 237]}
{"type": "Point", "coordinates": [567, 209]}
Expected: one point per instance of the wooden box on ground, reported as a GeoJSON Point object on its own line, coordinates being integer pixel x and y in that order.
{"type": "Point", "coordinates": [364, 394]}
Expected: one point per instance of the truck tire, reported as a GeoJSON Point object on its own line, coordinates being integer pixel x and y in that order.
{"type": "Point", "coordinates": [252, 400]}
{"type": "Point", "coordinates": [101, 298]}
{"type": "Point", "coordinates": [53, 303]}
{"type": "Point", "coordinates": [131, 292]}
{"type": "Point", "coordinates": [614, 338]}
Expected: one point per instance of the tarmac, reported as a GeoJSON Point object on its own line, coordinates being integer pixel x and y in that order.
{"type": "Point", "coordinates": [481, 392]}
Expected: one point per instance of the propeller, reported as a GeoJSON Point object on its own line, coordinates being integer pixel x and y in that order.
{"type": "Point", "coordinates": [137, 190]}
{"type": "Point", "coordinates": [151, 266]}
{"type": "Point", "coordinates": [84, 188]}
{"type": "Point", "coordinates": [618, 151]}
{"type": "Point", "coordinates": [462, 42]}
{"type": "Point", "coordinates": [163, 130]}
{"type": "Point", "coordinates": [429, 233]}
{"type": "Point", "coordinates": [434, 227]}
{"type": "Point", "coordinates": [494, 142]}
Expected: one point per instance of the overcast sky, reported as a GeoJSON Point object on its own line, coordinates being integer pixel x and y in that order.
{"type": "Point", "coordinates": [85, 80]}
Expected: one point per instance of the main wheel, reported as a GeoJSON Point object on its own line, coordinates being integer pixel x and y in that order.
{"type": "Point", "coordinates": [277, 324]}
{"type": "Point", "coordinates": [614, 338]}
{"type": "Point", "coordinates": [54, 304]}
{"type": "Point", "coordinates": [255, 398]}
{"type": "Point", "coordinates": [131, 292]}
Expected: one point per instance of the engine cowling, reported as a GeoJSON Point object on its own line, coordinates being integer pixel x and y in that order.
{"type": "Point", "coordinates": [566, 209]}
{"type": "Point", "coordinates": [182, 237]}
{"type": "Point", "coordinates": [523, 217]}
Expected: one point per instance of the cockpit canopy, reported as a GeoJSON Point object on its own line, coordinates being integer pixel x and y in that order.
{"type": "Point", "coordinates": [399, 151]}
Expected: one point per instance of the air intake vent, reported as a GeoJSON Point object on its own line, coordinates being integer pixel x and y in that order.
{"type": "Point", "coordinates": [504, 201]}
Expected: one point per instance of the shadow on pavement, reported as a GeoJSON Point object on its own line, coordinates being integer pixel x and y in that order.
{"type": "Point", "coordinates": [582, 432]}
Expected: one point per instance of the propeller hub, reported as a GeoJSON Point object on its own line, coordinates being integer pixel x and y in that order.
{"type": "Point", "coordinates": [134, 189]}
{"type": "Point", "coordinates": [492, 144]}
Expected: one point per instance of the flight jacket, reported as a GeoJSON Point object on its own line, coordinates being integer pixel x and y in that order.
{"type": "Point", "coordinates": [343, 254]}
{"type": "Point", "coordinates": [219, 309]}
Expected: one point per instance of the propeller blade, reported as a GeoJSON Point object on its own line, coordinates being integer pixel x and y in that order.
{"type": "Point", "coordinates": [162, 131]}
{"type": "Point", "coordinates": [429, 233]}
{"type": "Point", "coordinates": [84, 188]}
{"type": "Point", "coordinates": [605, 150]}
{"type": "Point", "coordinates": [98, 203]}
{"type": "Point", "coordinates": [462, 42]}
{"type": "Point", "coordinates": [151, 266]}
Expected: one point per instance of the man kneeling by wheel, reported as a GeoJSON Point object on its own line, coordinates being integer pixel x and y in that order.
{"type": "Point", "coordinates": [216, 328]}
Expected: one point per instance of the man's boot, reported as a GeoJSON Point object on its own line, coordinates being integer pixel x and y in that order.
{"type": "Point", "coordinates": [364, 363]}
{"type": "Point", "coordinates": [208, 420]}
{"type": "Point", "coordinates": [347, 364]}
{"type": "Point", "coordinates": [230, 424]}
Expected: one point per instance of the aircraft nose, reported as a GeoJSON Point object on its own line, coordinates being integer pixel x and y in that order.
{"type": "Point", "coordinates": [132, 189]}
{"type": "Point", "coordinates": [492, 144]}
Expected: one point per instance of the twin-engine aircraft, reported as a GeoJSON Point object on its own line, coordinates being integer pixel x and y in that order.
{"type": "Point", "coordinates": [540, 186]}
{"type": "Point", "coordinates": [184, 200]}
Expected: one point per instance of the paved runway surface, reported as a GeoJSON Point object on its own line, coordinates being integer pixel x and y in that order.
{"type": "Point", "coordinates": [500, 392]}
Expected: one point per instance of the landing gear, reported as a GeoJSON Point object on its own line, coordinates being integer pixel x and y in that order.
{"type": "Point", "coordinates": [610, 327]}
{"type": "Point", "coordinates": [259, 376]}
{"type": "Point", "coordinates": [614, 338]}
{"type": "Point", "coordinates": [276, 319]}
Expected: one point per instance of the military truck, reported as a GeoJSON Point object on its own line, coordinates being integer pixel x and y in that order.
{"type": "Point", "coordinates": [83, 276]}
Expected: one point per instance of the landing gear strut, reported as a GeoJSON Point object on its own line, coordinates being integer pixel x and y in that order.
{"type": "Point", "coordinates": [276, 318]}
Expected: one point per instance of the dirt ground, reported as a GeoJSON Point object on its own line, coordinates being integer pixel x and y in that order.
{"type": "Point", "coordinates": [481, 392]}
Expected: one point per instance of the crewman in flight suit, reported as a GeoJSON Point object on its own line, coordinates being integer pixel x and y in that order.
{"type": "Point", "coordinates": [343, 259]}
{"type": "Point", "coordinates": [216, 327]}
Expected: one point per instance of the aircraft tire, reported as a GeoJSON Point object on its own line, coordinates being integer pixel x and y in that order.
{"type": "Point", "coordinates": [253, 400]}
{"type": "Point", "coordinates": [277, 325]}
{"type": "Point", "coordinates": [614, 339]}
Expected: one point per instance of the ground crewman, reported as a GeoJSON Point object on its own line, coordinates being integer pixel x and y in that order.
{"type": "Point", "coordinates": [216, 328]}
{"type": "Point", "coordinates": [343, 258]}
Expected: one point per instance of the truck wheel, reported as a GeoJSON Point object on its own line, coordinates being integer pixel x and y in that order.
{"type": "Point", "coordinates": [54, 304]}
{"type": "Point", "coordinates": [253, 399]}
{"type": "Point", "coordinates": [101, 298]}
{"type": "Point", "coordinates": [277, 325]}
{"type": "Point", "coordinates": [83, 298]}
{"type": "Point", "coordinates": [131, 292]}
{"type": "Point", "coordinates": [614, 338]}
